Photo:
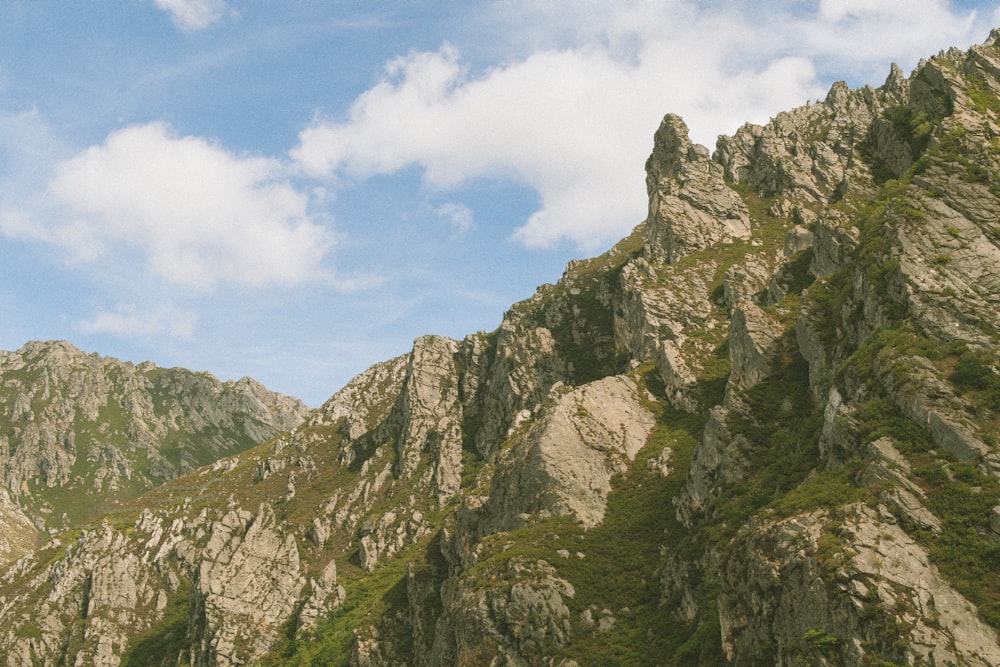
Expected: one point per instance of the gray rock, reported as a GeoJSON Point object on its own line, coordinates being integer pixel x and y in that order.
{"type": "Point", "coordinates": [247, 587]}
{"type": "Point", "coordinates": [564, 464]}
{"type": "Point", "coordinates": [775, 590]}
{"type": "Point", "coordinates": [690, 206]}
{"type": "Point", "coordinates": [752, 342]}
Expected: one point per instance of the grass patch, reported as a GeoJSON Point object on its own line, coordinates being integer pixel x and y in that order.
{"type": "Point", "coordinates": [164, 642]}
{"type": "Point", "coordinates": [967, 552]}
{"type": "Point", "coordinates": [975, 375]}
{"type": "Point", "coordinates": [370, 596]}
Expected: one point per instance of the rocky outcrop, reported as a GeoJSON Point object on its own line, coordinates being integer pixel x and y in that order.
{"type": "Point", "coordinates": [564, 463]}
{"type": "Point", "coordinates": [814, 588]}
{"type": "Point", "coordinates": [432, 415]}
{"type": "Point", "coordinates": [519, 624]}
{"type": "Point", "coordinates": [810, 154]}
{"type": "Point", "coordinates": [326, 594]}
{"type": "Point", "coordinates": [719, 462]}
{"type": "Point", "coordinates": [690, 205]}
{"type": "Point", "coordinates": [661, 317]}
{"type": "Point", "coordinates": [753, 341]}
{"type": "Point", "coordinates": [248, 582]}
{"type": "Point", "coordinates": [18, 535]}
{"type": "Point", "coordinates": [525, 365]}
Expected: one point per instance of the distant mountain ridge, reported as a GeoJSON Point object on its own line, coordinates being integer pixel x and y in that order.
{"type": "Point", "coordinates": [761, 430]}
{"type": "Point", "coordinates": [81, 434]}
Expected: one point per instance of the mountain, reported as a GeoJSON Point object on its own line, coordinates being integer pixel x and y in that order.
{"type": "Point", "coordinates": [81, 434]}
{"type": "Point", "coordinates": [761, 430]}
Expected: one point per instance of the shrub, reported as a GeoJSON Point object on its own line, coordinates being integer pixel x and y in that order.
{"type": "Point", "coordinates": [973, 373]}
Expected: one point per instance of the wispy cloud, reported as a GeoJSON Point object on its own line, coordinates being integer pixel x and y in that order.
{"type": "Point", "coordinates": [29, 147]}
{"type": "Point", "coordinates": [128, 321]}
{"type": "Point", "coordinates": [198, 214]}
{"type": "Point", "coordinates": [191, 15]}
{"type": "Point", "coordinates": [458, 216]}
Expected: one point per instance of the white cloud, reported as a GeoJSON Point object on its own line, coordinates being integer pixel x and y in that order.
{"type": "Point", "coordinates": [127, 321]}
{"type": "Point", "coordinates": [573, 118]}
{"type": "Point", "coordinates": [195, 213]}
{"type": "Point", "coordinates": [194, 14]}
{"type": "Point", "coordinates": [27, 143]}
{"type": "Point", "coordinates": [574, 125]}
{"type": "Point", "coordinates": [866, 33]}
{"type": "Point", "coordinates": [459, 216]}
{"type": "Point", "coordinates": [546, 122]}
{"type": "Point", "coordinates": [16, 223]}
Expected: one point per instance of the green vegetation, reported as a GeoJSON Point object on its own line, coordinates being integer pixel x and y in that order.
{"type": "Point", "coordinates": [821, 641]}
{"type": "Point", "coordinates": [983, 99]}
{"type": "Point", "coordinates": [967, 552]}
{"type": "Point", "coordinates": [164, 642]}
{"type": "Point", "coordinates": [975, 374]}
{"type": "Point", "coordinates": [781, 424]}
{"type": "Point", "coordinates": [828, 299]}
{"type": "Point", "coordinates": [369, 596]}
{"type": "Point", "coordinates": [582, 328]}
{"type": "Point", "coordinates": [914, 126]}
{"type": "Point", "coordinates": [639, 518]}
{"type": "Point", "coordinates": [796, 276]}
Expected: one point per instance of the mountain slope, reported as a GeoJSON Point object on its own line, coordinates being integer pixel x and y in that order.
{"type": "Point", "coordinates": [760, 430]}
{"type": "Point", "coordinates": [81, 434]}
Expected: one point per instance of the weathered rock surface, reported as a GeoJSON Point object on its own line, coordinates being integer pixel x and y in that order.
{"type": "Point", "coordinates": [791, 581]}
{"type": "Point", "coordinates": [432, 415]}
{"type": "Point", "coordinates": [752, 343]}
{"type": "Point", "coordinates": [249, 580]}
{"type": "Point", "coordinates": [690, 205]}
{"type": "Point", "coordinates": [519, 624]}
{"type": "Point", "coordinates": [564, 464]}
{"type": "Point", "coordinates": [17, 533]}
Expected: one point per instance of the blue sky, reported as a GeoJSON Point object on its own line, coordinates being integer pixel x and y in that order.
{"type": "Point", "coordinates": [294, 191]}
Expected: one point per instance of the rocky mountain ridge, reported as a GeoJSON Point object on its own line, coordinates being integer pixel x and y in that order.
{"type": "Point", "coordinates": [760, 430]}
{"type": "Point", "coordinates": [80, 434]}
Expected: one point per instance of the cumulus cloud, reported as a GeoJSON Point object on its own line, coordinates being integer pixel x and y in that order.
{"type": "Point", "coordinates": [573, 117]}
{"type": "Point", "coordinates": [127, 321]}
{"type": "Point", "coordinates": [531, 122]}
{"type": "Point", "coordinates": [197, 214]}
{"type": "Point", "coordinates": [573, 125]}
{"type": "Point", "coordinates": [191, 15]}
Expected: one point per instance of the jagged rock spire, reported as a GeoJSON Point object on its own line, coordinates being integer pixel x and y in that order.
{"type": "Point", "coordinates": [690, 205]}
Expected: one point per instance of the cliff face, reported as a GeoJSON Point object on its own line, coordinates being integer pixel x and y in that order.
{"type": "Point", "coordinates": [760, 430]}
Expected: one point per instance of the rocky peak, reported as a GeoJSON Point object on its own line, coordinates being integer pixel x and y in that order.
{"type": "Point", "coordinates": [896, 86]}
{"type": "Point", "coordinates": [690, 205]}
{"type": "Point", "coordinates": [811, 154]}
{"type": "Point", "coordinates": [431, 415]}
